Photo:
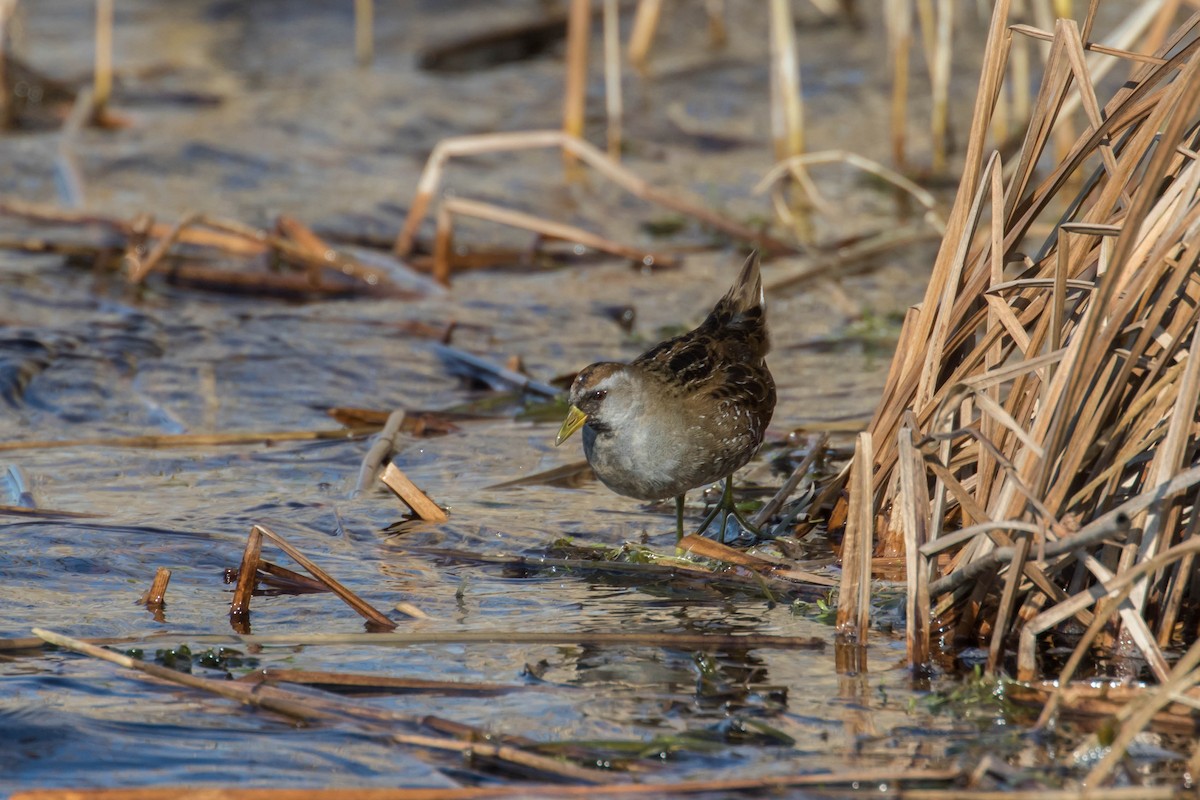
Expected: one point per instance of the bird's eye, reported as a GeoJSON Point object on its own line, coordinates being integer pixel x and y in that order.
{"type": "Point", "coordinates": [599, 394]}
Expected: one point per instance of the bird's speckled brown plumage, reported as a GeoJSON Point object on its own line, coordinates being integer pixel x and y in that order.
{"type": "Point", "coordinates": [689, 411]}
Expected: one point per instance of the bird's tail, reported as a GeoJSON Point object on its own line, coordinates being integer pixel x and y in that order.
{"type": "Point", "coordinates": [747, 291]}
{"type": "Point", "coordinates": [744, 307]}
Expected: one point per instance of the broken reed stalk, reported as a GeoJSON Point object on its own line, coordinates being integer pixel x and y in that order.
{"type": "Point", "coordinates": [7, 108]}
{"type": "Point", "coordinates": [601, 790]}
{"type": "Point", "coordinates": [193, 439]}
{"type": "Point", "coordinates": [816, 447]}
{"type": "Point", "coordinates": [247, 580]}
{"type": "Point", "coordinates": [364, 32]}
{"type": "Point", "coordinates": [579, 28]}
{"type": "Point", "coordinates": [641, 34]}
{"type": "Point", "coordinates": [796, 166]}
{"type": "Point", "coordinates": [701, 547]}
{"type": "Point", "coordinates": [309, 708]}
{"type": "Point", "coordinates": [1057, 391]}
{"type": "Point", "coordinates": [361, 607]}
{"type": "Point", "coordinates": [295, 244]}
{"type": "Point", "coordinates": [787, 101]}
{"type": "Point", "coordinates": [650, 638]}
{"type": "Point", "coordinates": [613, 105]}
{"type": "Point", "coordinates": [431, 178]}
{"type": "Point", "coordinates": [898, 18]}
{"type": "Point", "coordinates": [412, 496]}
{"type": "Point", "coordinates": [854, 596]}
{"type": "Point", "coordinates": [155, 597]}
{"type": "Point", "coordinates": [383, 445]}
{"type": "Point", "coordinates": [462, 206]}
{"type": "Point", "coordinates": [102, 79]}
{"type": "Point", "coordinates": [69, 178]}
{"type": "Point", "coordinates": [939, 77]}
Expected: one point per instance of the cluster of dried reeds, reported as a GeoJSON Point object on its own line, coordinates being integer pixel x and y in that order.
{"type": "Point", "coordinates": [1036, 449]}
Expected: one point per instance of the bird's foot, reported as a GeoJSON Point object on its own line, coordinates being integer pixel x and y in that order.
{"type": "Point", "coordinates": [734, 526]}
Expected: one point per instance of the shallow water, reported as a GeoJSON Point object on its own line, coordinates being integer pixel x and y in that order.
{"type": "Point", "coordinates": [298, 129]}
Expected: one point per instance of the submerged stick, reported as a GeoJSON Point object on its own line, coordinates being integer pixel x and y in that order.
{"type": "Point", "coordinates": [503, 374]}
{"type": "Point", "coordinates": [382, 446]}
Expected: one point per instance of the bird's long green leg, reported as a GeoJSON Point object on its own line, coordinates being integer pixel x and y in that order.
{"type": "Point", "coordinates": [679, 517]}
{"type": "Point", "coordinates": [729, 507]}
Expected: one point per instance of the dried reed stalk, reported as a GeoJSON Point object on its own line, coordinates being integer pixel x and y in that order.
{"type": "Point", "coordinates": [102, 79]}
{"type": "Point", "coordinates": [854, 596]}
{"type": "Point", "coordinates": [787, 103]}
{"type": "Point", "coordinates": [375, 618]}
{"type": "Point", "coordinates": [309, 707]}
{"type": "Point", "coordinates": [1056, 377]}
{"type": "Point", "coordinates": [607, 788]}
{"type": "Point", "coordinates": [192, 439]}
{"type": "Point", "coordinates": [613, 105]}
{"type": "Point", "coordinates": [247, 580]}
{"type": "Point", "coordinates": [898, 18]}
{"type": "Point", "coordinates": [8, 111]}
{"type": "Point", "coordinates": [641, 36]}
{"type": "Point", "coordinates": [412, 496]}
{"type": "Point", "coordinates": [516, 219]}
{"type": "Point", "coordinates": [579, 28]}
{"type": "Point", "coordinates": [155, 597]}
{"type": "Point", "coordinates": [630, 181]}
{"type": "Point", "coordinates": [364, 32]}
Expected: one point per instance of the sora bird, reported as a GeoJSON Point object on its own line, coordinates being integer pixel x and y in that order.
{"type": "Point", "coordinates": [687, 412]}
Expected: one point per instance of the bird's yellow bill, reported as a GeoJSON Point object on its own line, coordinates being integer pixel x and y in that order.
{"type": "Point", "coordinates": [573, 422]}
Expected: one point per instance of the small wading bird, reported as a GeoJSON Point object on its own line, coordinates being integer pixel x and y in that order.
{"type": "Point", "coordinates": [687, 412]}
